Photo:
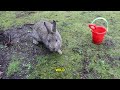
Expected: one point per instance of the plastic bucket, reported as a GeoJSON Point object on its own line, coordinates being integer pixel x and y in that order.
{"type": "Point", "coordinates": [98, 32]}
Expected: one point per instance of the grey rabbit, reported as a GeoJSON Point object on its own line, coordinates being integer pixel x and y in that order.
{"type": "Point", "coordinates": [46, 32]}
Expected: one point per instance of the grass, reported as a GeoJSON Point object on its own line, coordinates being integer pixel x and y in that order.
{"type": "Point", "coordinates": [77, 46]}
{"type": "Point", "coordinates": [14, 66]}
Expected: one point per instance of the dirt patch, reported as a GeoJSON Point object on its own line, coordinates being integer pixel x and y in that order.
{"type": "Point", "coordinates": [85, 69]}
{"type": "Point", "coordinates": [108, 43]}
{"type": "Point", "coordinates": [85, 64]}
{"type": "Point", "coordinates": [87, 72]}
{"type": "Point", "coordinates": [21, 47]}
{"type": "Point", "coordinates": [112, 60]}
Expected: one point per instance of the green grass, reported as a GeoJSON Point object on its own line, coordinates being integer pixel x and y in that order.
{"type": "Point", "coordinates": [75, 33]}
{"type": "Point", "coordinates": [14, 66]}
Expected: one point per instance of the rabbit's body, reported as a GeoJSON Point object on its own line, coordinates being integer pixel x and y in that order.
{"type": "Point", "coordinates": [47, 33]}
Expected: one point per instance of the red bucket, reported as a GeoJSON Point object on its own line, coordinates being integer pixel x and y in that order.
{"type": "Point", "coordinates": [98, 32]}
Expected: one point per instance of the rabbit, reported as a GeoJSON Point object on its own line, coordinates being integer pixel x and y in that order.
{"type": "Point", "coordinates": [47, 33]}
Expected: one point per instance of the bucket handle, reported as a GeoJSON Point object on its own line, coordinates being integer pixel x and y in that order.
{"type": "Point", "coordinates": [102, 19]}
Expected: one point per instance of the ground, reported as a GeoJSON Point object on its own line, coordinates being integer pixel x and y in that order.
{"type": "Point", "coordinates": [81, 59]}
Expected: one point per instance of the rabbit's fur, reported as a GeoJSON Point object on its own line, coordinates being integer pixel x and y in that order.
{"type": "Point", "coordinates": [47, 33]}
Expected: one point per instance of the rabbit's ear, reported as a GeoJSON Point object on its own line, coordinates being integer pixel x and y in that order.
{"type": "Point", "coordinates": [54, 26]}
{"type": "Point", "coordinates": [47, 28]}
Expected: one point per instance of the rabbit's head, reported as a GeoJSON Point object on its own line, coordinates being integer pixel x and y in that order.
{"type": "Point", "coordinates": [53, 40]}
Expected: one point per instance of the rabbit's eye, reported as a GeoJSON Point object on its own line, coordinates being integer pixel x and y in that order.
{"type": "Point", "coordinates": [56, 40]}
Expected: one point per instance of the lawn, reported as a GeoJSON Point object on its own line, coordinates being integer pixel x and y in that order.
{"type": "Point", "coordinates": [81, 59]}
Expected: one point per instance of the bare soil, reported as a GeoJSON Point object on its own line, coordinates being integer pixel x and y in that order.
{"type": "Point", "coordinates": [17, 42]}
